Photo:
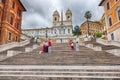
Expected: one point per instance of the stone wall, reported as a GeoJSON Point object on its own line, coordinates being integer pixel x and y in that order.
{"type": "Point", "coordinates": [105, 42]}
{"type": "Point", "coordinates": [13, 44]}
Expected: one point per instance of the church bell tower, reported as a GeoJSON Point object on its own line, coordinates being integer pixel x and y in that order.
{"type": "Point", "coordinates": [68, 15]}
{"type": "Point", "coordinates": [56, 17]}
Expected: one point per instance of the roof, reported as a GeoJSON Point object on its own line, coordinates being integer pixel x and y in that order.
{"type": "Point", "coordinates": [92, 22]}
{"type": "Point", "coordinates": [22, 5]}
{"type": "Point", "coordinates": [68, 11]}
{"type": "Point", "coordinates": [101, 2]}
{"type": "Point", "coordinates": [36, 29]}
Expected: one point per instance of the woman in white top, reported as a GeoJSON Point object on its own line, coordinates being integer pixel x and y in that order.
{"type": "Point", "coordinates": [77, 46]}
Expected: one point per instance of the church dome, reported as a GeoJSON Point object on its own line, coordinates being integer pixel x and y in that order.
{"type": "Point", "coordinates": [56, 13]}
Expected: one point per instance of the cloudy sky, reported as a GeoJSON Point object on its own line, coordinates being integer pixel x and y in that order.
{"type": "Point", "coordinates": [39, 12]}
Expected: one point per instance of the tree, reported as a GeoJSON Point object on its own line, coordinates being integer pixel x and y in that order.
{"type": "Point", "coordinates": [76, 31]}
{"type": "Point", "coordinates": [88, 16]}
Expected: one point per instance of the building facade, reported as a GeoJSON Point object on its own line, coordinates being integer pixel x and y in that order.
{"type": "Point", "coordinates": [94, 27]}
{"type": "Point", "coordinates": [61, 31]}
{"type": "Point", "coordinates": [112, 18]}
{"type": "Point", "coordinates": [10, 20]}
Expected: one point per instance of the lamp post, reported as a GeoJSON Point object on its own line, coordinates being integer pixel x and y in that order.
{"type": "Point", "coordinates": [46, 33]}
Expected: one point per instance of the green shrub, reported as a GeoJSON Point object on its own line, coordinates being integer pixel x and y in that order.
{"type": "Point", "coordinates": [98, 35]}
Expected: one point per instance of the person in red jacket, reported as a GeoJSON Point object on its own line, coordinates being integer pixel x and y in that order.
{"type": "Point", "coordinates": [49, 46]}
{"type": "Point", "coordinates": [43, 48]}
{"type": "Point", "coordinates": [72, 46]}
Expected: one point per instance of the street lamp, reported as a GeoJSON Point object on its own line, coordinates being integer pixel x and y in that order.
{"type": "Point", "coordinates": [46, 33]}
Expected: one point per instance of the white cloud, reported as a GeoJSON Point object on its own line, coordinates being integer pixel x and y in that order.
{"type": "Point", "coordinates": [39, 12]}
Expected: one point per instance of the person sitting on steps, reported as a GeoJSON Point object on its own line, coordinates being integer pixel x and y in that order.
{"type": "Point", "coordinates": [72, 46]}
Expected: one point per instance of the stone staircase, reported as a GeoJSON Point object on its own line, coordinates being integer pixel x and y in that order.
{"type": "Point", "coordinates": [104, 47]}
{"type": "Point", "coordinates": [115, 50]}
{"type": "Point", "coordinates": [15, 50]}
{"type": "Point", "coordinates": [63, 55]}
{"type": "Point", "coordinates": [62, 64]}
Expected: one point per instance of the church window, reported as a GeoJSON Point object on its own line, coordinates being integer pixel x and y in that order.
{"type": "Point", "coordinates": [55, 19]}
{"type": "Point", "coordinates": [55, 31]}
{"type": "Point", "coordinates": [64, 31]}
{"type": "Point", "coordinates": [60, 31]}
{"type": "Point", "coordinates": [68, 30]}
{"type": "Point", "coordinates": [68, 17]}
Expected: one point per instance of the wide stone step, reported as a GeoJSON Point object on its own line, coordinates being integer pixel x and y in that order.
{"type": "Point", "coordinates": [98, 72]}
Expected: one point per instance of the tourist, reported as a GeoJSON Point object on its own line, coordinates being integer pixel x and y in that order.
{"type": "Point", "coordinates": [72, 46]}
{"type": "Point", "coordinates": [46, 46]}
{"type": "Point", "coordinates": [49, 46]}
{"type": "Point", "coordinates": [35, 39]}
{"type": "Point", "coordinates": [43, 47]}
{"type": "Point", "coordinates": [77, 46]}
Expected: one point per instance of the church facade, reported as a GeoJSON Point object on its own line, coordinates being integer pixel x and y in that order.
{"type": "Point", "coordinates": [60, 32]}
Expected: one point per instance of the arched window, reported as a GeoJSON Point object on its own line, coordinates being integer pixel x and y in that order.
{"type": "Point", "coordinates": [63, 31]}
{"type": "Point", "coordinates": [55, 19]}
{"type": "Point", "coordinates": [68, 17]}
{"type": "Point", "coordinates": [55, 31]}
